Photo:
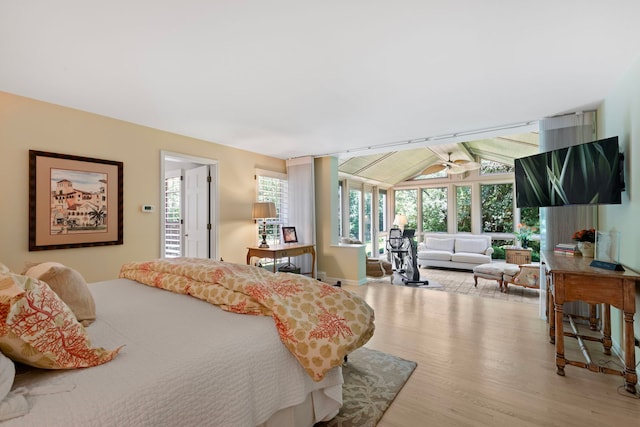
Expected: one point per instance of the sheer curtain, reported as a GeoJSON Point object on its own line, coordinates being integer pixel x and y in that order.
{"type": "Point", "coordinates": [302, 201]}
{"type": "Point", "coordinates": [558, 223]}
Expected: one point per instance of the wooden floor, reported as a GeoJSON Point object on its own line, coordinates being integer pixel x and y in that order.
{"type": "Point", "coordinates": [485, 362]}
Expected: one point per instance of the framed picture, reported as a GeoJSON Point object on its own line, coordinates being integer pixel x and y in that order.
{"type": "Point", "coordinates": [74, 201]}
{"type": "Point", "coordinates": [289, 235]}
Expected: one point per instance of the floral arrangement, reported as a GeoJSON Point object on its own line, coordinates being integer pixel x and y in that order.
{"type": "Point", "coordinates": [585, 235]}
{"type": "Point", "coordinates": [524, 233]}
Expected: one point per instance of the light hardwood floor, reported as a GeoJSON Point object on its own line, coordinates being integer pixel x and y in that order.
{"type": "Point", "coordinates": [485, 362]}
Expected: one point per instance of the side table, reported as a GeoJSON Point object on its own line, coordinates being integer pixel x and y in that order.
{"type": "Point", "coordinates": [517, 256]}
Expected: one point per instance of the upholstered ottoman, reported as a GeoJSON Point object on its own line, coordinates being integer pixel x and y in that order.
{"type": "Point", "coordinates": [526, 276]}
{"type": "Point", "coordinates": [494, 271]}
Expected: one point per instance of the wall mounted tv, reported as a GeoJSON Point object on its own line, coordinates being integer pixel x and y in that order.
{"type": "Point", "coordinates": [584, 174]}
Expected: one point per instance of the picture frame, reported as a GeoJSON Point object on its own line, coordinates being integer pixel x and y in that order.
{"type": "Point", "coordinates": [74, 201]}
{"type": "Point", "coordinates": [289, 235]}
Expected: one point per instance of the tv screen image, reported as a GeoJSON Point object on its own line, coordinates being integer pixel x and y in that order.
{"type": "Point", "coordinates": [583, 174]}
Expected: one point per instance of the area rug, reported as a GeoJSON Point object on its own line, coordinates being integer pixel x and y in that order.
{"type": "Point", "coordinates": [372, 379]}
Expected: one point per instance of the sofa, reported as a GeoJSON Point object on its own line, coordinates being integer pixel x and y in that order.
{"type": "Point", "coordinates": [460, 251]}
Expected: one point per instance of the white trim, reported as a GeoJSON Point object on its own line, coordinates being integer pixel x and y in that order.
{"type": "Point", "coordinates": [214, 200]}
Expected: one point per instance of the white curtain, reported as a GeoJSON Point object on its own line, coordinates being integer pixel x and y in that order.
{"type": "Point", "coordinates": [302, 208]}
{"type": "Point", "coordinates": [559, 223]}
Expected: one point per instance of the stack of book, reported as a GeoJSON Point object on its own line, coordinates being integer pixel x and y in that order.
{"type": "Point", "coordinates": [566, 249]}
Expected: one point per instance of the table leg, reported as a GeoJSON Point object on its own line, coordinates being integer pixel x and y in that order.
{"type": "Point", "coordinates": [593, 318]}
{"type": "Point", "coordinates": [606, 329]}
{"type": "Point", "coordinates": [551, 313]}
{"type": "Point", "coordinates": [559, 333]}
{"type": "Point", "coordinates": [630, 376]}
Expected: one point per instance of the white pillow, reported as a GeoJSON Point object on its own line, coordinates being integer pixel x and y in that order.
{"type": "Point", "coordinates": [12, 404]}
{"type": "Point", "coordinates": [474, 246]}
{"type": "Point", "coordinates": [3, 268]}
{"type": "Point", "coordinates": [7, 375]}
{"type": "Point", "coordinates": [440, 244]}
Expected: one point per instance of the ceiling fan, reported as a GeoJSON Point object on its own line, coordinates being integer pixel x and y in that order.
{"type": "Point", "coordinates": [452, 167]}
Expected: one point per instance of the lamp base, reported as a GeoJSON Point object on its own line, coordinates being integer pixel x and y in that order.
{"type": "Point", "coordinates": [264, 244]}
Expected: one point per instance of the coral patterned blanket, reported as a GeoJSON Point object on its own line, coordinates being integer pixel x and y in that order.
{"type": "Point", "coordinates": [318, 323]}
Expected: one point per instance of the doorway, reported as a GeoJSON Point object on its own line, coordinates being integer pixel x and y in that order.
{"type": "Point", "coordinates": [189, 206]}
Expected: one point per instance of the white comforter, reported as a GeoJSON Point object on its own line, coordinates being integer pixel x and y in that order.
{"type": "Point", "coordinates": [185, 363]}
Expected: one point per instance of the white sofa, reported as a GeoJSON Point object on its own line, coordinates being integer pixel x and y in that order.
{"type": "Point", "coordinates": [463, 251]}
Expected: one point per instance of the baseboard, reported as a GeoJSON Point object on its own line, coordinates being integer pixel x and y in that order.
{"type": "Point", "coordinates": [333, 280]}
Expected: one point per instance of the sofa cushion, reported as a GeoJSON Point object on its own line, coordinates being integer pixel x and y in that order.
{"type": "Point", "coordinates": [475, 246]}
{"type": "Point", "coordinates": [435, 255]}
{"type": "Point", "coordinates": [439, 244]}
{"type": "Point", "coordinates": [470, 258]}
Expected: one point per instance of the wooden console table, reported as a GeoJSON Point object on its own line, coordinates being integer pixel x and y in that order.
{"type": "Point", "coordinates": [573, 279]}
{"type": "Point", "coordinates": [280, 251]}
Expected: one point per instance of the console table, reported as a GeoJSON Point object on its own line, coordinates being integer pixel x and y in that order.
{"type": "Point", "coordinates": [573, 279]}
{"type": "Point", "coordinates": [280, 251]}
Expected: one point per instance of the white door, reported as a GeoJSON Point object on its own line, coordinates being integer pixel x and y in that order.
{"type": "Point", "coordinates": [196, 216]}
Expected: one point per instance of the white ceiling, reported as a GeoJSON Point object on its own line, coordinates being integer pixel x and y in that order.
{"type": "Point", "coordinates": [289, 78]}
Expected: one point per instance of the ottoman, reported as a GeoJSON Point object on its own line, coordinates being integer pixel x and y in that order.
{"type": "Point", "coordinates": [494, 271]}
{"type": "Point", "coordinates": [527, 276]}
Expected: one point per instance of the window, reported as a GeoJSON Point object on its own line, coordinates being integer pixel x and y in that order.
{"type": "Point", "coordinates": [173, 216]}
{"type": "Point", "coordinates": [273, 187]}
{"type": "Point", "coordinates": [354, 212]}
{"type": "Point", "coordinates": [407, 204]}
{"type": "Point", "coordinates": [463, 208]}
{"type": "Point", "coordinates": [434, 209]}
{"type": "Point", "coordinates": [488, 167]}
{"type": "Point", "coordinates": [340, 188]}
{"type": "Point", "coordinates": [497, 208]}
{"type": "Point", "coordinates": [530, 217]}
{"type": "Point", "coordinates": [382, 210]}
{"type": "Point", "coordinates": [367, 232]}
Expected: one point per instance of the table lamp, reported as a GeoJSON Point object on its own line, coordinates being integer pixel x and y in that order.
{"type": "Point", "coordinates": [263, 210]}
{"type": "Point", "coordinates": [400, 220]}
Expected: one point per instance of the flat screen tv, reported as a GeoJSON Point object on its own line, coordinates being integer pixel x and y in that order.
{"type": "Point", "coordinates": [584, 174]}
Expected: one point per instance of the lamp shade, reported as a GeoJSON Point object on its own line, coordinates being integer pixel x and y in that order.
{"type": "Point", "coordinates": [400, 220]}
{"type": "Point", "coordinates": [263, 210]}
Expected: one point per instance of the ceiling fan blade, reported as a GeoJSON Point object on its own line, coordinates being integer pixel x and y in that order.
{"type": "Point", "coordinates": [467, 164]}
{"type": "Point", "coordinates": [456, 169]}
{"type": "Point", "coordinates": [432, 169]}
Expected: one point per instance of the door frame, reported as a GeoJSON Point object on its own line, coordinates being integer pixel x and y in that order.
{"type": "Point", "coordinates": [214, 198]}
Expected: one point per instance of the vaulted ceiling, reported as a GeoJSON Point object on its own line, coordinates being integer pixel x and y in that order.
{"type": "Point", "coordinates": [396, 166]}
{"type": "Point", "coordinates": [290, 78]}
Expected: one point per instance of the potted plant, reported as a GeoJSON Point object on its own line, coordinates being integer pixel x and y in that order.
{"type": "Point", "coordinates": [586, 239]}
{"type": "Point", "coordinates": [523, 234]}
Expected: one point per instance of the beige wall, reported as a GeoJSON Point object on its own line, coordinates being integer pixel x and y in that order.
{"type": "Point", "coordinates": [619, 115]}
{"type": "Point", "coordinates": [27, 124]}
{"type": "Point", "coordinates": [346, 263]}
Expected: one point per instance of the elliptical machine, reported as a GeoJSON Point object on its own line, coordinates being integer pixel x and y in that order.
{"type": "Point", "coordinates": [404, 257]}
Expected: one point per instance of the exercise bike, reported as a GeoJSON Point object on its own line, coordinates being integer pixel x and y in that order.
{"type": "Point", "coordinates": [403, 250]}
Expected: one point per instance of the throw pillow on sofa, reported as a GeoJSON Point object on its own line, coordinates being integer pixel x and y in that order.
{"type": "Point", "coordinates": [437, 244]}
{"type": "Point", "coordinates": [474, 246]}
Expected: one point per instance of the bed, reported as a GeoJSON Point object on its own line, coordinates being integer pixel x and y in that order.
{"type": "Point", "coordinates": [183, 362]}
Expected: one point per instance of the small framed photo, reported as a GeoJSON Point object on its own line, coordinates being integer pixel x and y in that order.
{"type": "Point", "coordinates": [289, 235]}
{"type": "Point", "coordinates": [74, 201]}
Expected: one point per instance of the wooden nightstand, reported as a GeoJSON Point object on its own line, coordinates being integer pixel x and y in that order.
{"type": "Point", "coordinates": [517, 256]}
